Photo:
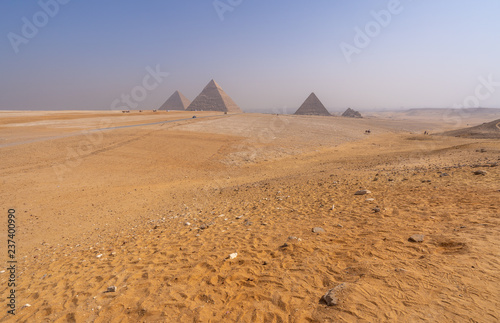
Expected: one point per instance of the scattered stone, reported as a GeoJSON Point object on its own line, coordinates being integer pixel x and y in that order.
{"type": "Point", "coordinates": [318, 230]}
{"type": "Point", "coordinates": [292, 238]}
{"type": "Point", "coordinates": [26, 305]}
{"type": "Point", "coordinates": [480, 172]}
{"type": "Point", "coordinates": [444, 174]}
{"type": "Point", "coordinates": [331, 298]}
{"type": "Point", "coordinates": [204, 226]}
{"type": "Point", "coordinates": [376, 209]}
{"type": "Point", "coordinates": [284, 245]}
{"type": "Point", "coordinates": [370, 200]}
{"type": "Point", "coordinates": [99, 256]}
{"type": "Point", "coordinates": [426, 181]}
{"type": "Point", "coordinates": [333, 207]}
{"type": "Point", "coordinates": [416, 238]}
{"type": "Point", "coordinates": [362, 192]}
{"type": "Point", "coordinates": [340, 225]}
{"type": "Point", "coordinates": [232, 256]}
{"type": "Point", "coordinates": [187, 224]}
{"type": "Point", "coordinates": [239, 217]}
{"type": "Point", "coordinates": [399, 270]}
{"type": "Point", "coordinates": [111, 289]}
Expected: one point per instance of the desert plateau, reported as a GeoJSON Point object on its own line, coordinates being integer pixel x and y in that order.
{"type": "Point", "coordinates": [248, 217]}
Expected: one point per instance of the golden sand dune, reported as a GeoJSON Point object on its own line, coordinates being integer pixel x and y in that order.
{"type": "Point", "coordinates": [487, 130]}
{"type": "Point", "coordinates": [156, 211]}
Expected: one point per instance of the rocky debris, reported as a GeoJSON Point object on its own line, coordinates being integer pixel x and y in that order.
{"type": "Point", "coordinates": [444, 174]}
{"type": "Point", "coordinates": [426, 181]}
{"type": "Point", "coordinates": [331, 298]}
{"type": "Point", "coordinates": [376, 209]}
{"type": "Point", "coordinates": [239, 217]}
{"type": "Point", "coordinates": [110, 289]}
{"type": "Point", "coordinates": [480, 172]}
{"type": "Point", "coordinates": [482, 150]}
{"type": "Point", "coordinates": [284, 245]}
{"type": "Point", "coordinates": [204, 226]}
{"type": "Point", "coordinates": [362, 192]}
{"type": "Point", "coordinates": [26, 305]}
{"type": "Point", "coordinates": [416, 238]}
{"type": "Point", "coordinates": [187, 224]}
{"type": "Point", "coordinates": [248, 222]}
{"type": "Point", "coordinates": [370, 200]}
{"type": "Point", "coordinates": [350, 113]}
{"type": "Point", "coordinates": [318, 230]}
{"type": "Point", "coordinates": [232, 256]}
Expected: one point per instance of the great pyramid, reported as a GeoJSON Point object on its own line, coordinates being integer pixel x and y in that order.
{"type": "Point", "coordinates": [350, 113]}
{"type": "Point", "coordinates": [176, 101]}
{"type": "Point", "coordinates": [312, 106]}
{"type": "Point", "coordinates": [213, 98]}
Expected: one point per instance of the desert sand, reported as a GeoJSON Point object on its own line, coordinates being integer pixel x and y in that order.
{"type": "Point", "coordinates": [156, 209]}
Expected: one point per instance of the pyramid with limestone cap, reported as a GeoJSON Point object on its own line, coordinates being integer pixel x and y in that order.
{"type": "Point", "coordinates": [213, 98]}
{"type": "Point", "coordinates": [312, 106]}
{"type": "Point", "coordinates": [176, 101]}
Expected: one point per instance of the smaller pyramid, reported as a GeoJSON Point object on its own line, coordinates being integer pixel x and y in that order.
{"type": "Point", "coordinates": [312, 106]}
{"type": "Point", "coordinates": [213, 98]}
{"type": "Point", "coordinates": [176, 101]}
{"type": "Point", "coordinates": [350, 113]}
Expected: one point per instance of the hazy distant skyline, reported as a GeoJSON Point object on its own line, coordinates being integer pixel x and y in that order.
{"type": "Point", "coordinates": [62, 54]}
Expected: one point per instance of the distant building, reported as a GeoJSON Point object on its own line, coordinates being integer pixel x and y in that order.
{"type": "Point", "coordinates": [213, 98]}
{"type": "Point", "coordinates": [176, 101]}
{"type": "Point", "coordinates": [312, 106]}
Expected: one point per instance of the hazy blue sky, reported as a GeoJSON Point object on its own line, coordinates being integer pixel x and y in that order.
{"type": "Point", "coordinates": [265, 53]}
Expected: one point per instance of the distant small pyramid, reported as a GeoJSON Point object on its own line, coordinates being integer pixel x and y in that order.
{"type": "Point", "coordinates": [350, 113]}
{"type": "Point", "coordinates": [312, 106]}
{"type": "Point", "coordinates": [213, 98]}
{"type": "Point", "coordinates": [176, 101]}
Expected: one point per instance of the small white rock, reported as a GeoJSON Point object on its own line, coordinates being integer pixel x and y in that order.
{"type": "Point", "coordinates": [99, 256]}
{"type": "Point", "coordinates": [233, 255]}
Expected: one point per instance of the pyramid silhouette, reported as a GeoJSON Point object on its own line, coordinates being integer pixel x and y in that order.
{"type": "Point", "coordinates": [213, 98]}
{"type": "Point", "coordinates": [176, 101]}
{"type": "Point", "coordinates": [350, 113]}
{"type": "Point", "coordinates": [312, 106]}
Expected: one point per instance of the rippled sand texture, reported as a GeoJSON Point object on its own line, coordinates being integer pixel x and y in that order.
{"type": "Point", "coordinates": [157, 210]}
